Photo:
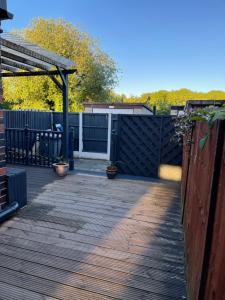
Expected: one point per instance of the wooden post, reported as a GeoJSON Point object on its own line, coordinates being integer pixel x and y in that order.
{"type": "Point", "coordinates": [65, 116]}
{"type": "Point", "coordinates": [109, 135]}
{"type": "Point", "coordinates": [80, 134]}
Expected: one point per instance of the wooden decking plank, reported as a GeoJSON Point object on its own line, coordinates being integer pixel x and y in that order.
{"type": "Point", "coordinates": [90, 284]}
{"type": "Point", "coordinates": [135, 217]}
{"type": "Point", "coordinates": [138, 234]}
{"type": "Point", "coordinates": [94, 271]}
{"type": "Point", "coordinates": [124, 238]}
{"type": "Point", "coordinates": [111, 210]}
{"type": "Point", "coordinates": [120, 201]}
{"type": "Point", "coordinates": [103, 220]}
{"type": "Point", "coordinates": [69, 219]}
{"type": "Point", "coordinates": [47, 287]}
{"type": "Point", "coordinates": [164, 263]}
{"type": "Point", "coordinates": [10, 292]}
{"type": "Point", "coordinates": [117, 198]}
{"type": "Point", "coordinates": [118, 187]}
{"type": "Point", "coordinates": [79, 257]}
{"type": "Point", "coordinates": [161, 245]}
{"type": "Point", "coordinates": [89, 224]}
{"type": "Point", "coordinates": [109, 199]}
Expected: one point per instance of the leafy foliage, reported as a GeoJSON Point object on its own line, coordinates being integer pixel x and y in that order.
{"type": "Point", "coordinates": [97, 71]}
{"type": "Point", "coordinates": [163, 99]}
{"type": "Point", "coordinates": [185, 123]}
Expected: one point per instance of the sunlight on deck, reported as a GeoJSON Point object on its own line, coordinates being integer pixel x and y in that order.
{"type": "Point", "coordinates": [170, 172]}
{"type": "Point", "coordinates": [131, 239]}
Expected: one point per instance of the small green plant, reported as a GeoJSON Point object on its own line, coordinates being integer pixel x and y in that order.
{"type": "Point", "coordinates": [185, 123]}
{"type": "Point", "coordinates": [61, 160]}
{"type": "Point", "coordinates": [115, 163]}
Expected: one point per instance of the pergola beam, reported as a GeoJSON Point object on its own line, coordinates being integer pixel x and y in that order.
{"type": "Point", "coordinates": [8, 68]}
{"type": "Point", "coordinates": [16, 64]}
{"type": "Point", "coordinates": [31, 53]}
{"type": "Point", "coordinates": [37, 73]}
{"type": "Point", "coordinates": [23, 60]}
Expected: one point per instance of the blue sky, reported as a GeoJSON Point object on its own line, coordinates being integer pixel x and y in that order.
{"type": "Point", "coordinates": [157, 44]}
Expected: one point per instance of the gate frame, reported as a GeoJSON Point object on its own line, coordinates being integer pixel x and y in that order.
{"type": "Point", "coordinates": [93, 155]}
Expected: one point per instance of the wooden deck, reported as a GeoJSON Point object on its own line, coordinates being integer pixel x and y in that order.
{"type": "Point", "coordinates": [86, 237]}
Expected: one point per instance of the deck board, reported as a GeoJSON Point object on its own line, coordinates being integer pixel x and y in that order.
{"type": "Point", "coordinates": [87, 237]}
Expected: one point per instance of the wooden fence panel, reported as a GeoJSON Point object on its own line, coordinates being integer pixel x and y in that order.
{"type": "Point", "coordinates": [142, 143]}
{"type": "Point", "coordinates": [39, 120]}
{"type": "Point", "coordinates": [215, 286]}
{"type": "Point", "coordinates": [197, 206]}
{"type": "Point", "coordinates": [204, 211]}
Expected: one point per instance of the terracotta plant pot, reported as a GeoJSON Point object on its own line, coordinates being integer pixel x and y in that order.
{"type": "Point", "coordinates": [111, 172]}
{"type": "Point", "coordinates": [61, 169]}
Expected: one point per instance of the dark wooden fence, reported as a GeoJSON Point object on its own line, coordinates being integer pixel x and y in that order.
{"type": "Point", "coordinates": [95, 132]}
{"type": "Point", "coordinates": [95, 126]}
{"type": "Point", "coordinates": [142, 143]}
{"type": "Point", "coordinates": [33, 119]}
{"type": "Point", "coordinates": [203, 197]}
{"type": "Point", "coordinates": [73, 120]}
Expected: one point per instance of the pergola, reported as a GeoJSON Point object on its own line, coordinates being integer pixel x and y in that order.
{"type": "Point", "coordinates": [22, 58]}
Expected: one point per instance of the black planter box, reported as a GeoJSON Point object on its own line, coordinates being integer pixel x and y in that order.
{"type": "Point", "coordinates": [17, 186]}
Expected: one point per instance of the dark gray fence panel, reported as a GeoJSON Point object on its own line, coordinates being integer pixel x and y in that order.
{"type": "Point", "coordinates": [140, 143]}
{"type": "Point", "coordinates": [73, 120]}
{"type": "Point", "coordinates": [95, 133]}
{"type": "Point", "coordinates": [171, 152]}
{"type": "Point", "coordinates": [34, 119]}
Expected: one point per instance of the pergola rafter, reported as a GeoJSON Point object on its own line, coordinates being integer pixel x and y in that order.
{"type": "Point", "coordinates": [16, 64]}
{"type": "Point", "coordinates": [22, 58]}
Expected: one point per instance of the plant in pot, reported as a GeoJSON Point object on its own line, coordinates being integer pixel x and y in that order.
{"type": "Point", "coordinates": [61, 167]}
{"type": "Point", "coordinates": [112, 169]}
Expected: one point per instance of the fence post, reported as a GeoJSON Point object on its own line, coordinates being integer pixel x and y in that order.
{"type": "Point", "coordinates": [109, 135]}
{"type": "Point", "coordinates": [114, 138]}
{"type": "Point", "coordinates": [71, 159]}
{"type": "Point", "coordinates": [80, 134]}
{"type": "Point", "coordinates": [26, 134]}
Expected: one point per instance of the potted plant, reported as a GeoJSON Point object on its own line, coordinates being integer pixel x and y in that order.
{"type": "Point", "coordinates": [61, 167]}
{"type": "Point", "coordinates": [112, 169]}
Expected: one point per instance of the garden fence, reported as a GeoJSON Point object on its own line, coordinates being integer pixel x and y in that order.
{"type": "Point", "coordinates": [203, 197]}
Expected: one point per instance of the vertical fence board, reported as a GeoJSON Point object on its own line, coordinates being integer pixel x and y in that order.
{"type": "Point", "coordinates": [197, 205]}
{"type": "Point", "coordinates": [34, 119]}
{"type": "Point", "coordinates": [204, 222]}
{"type": "Point", "coordinates": [215, 284]}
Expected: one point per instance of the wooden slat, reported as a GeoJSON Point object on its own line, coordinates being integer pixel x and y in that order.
{"type": "Point", "coordinates": [95, 285]}
{"type": "Point", "coordinates": [78, 257]}
{"type": "Point", "coordinates": [16, 64]}
{"type": "Point", "coordinates": [158, 249]}
{"type": "Point", "coordinates": [140, 281]}
{"type": "Point", "coordinates": [11, 292]}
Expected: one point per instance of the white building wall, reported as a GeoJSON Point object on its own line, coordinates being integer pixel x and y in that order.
{"type": "Point", "coordinates": [125, 111]}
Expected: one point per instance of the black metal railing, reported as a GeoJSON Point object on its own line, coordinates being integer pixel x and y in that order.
{"type": "Point", "coordinates": [32, 147]}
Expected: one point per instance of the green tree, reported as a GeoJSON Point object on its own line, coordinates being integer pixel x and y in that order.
{"type": "Point", "coordinates": [97, 71]}
{"type": "Point", "coordinates": [163, 99]}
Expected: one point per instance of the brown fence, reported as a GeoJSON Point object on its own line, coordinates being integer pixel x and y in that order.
{"type": "Point", "coordinates": [203, 195]}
